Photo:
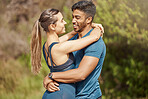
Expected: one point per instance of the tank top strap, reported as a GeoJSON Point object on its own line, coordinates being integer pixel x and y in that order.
{"type": "Point", "coordinates": [48, 56]}
{"type": "Point", "coordinates": [49, 48]}
{"type": "Point", "coordinates": [44, 52]}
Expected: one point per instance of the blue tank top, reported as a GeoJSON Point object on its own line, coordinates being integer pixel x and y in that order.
{"type": "Point", "coordinates": [69, 64]}
{"type": "Point", "coordinates": [67, 90]}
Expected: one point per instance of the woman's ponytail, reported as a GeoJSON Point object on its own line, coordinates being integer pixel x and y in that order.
{"type": "Point", "coordinates": [46, 18]}
{"type": "Point", "coordinates": [36, 48]}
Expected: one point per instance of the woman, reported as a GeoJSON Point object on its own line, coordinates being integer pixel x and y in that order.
{"type": "Point", "coordinates": [57, 51]}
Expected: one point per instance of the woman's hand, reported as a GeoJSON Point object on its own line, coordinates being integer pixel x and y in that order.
{"type": "Point", "coordinates": [95, 25]}
{"type": "Point", "coordinates": [53, 86]}
{"type": "Point", "coordinates": [96, 33]}
{"type": "Point", "coordinates": [50, 85]}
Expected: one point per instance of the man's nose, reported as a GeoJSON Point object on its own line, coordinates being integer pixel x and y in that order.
{"type": "Point", "coordinates": [73, 20]}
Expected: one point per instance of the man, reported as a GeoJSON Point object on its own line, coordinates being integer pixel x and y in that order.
{"type": "Point", "coordinates": [88, 61]}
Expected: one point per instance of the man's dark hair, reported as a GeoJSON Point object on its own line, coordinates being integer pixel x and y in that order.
{"type": "Point", "coordinates": [86, 6]}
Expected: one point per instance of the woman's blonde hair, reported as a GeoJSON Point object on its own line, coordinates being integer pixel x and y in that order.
{"type": "Point", "coordinates": [46, 18]}
{"type": "Point", "coordinates": [36, 48]}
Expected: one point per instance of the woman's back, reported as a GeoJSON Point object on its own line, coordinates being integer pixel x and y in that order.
{"type": "Point", "coordinates": [58, 57]}
{"type": "Point", "coordinates": [67, 91]}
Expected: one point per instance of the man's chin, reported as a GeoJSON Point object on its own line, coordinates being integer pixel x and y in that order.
{"type": "Point", "coordinates": [76, 30]}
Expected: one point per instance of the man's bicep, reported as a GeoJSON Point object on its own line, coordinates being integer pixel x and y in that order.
{"type": "Point", "coordinates": [88, 64]}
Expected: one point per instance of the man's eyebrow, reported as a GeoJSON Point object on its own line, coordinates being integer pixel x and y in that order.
{"type": "Point", "coordinates": [76, 15]}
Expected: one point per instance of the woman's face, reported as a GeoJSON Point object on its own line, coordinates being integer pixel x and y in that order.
{"type": "Point", "coordinates": [60, 24]}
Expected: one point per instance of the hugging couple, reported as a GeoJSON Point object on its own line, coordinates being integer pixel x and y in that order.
{"type": "Point", "coordinates": [75, 59]}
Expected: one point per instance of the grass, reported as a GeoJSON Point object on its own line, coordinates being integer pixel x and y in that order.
{"type": "Point", "coordinates": [18, 82]}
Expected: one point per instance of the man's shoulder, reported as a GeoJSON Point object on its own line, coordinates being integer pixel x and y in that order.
{"type": "Point", "coordinates": [96, 49]}
{"type": "Point", "coordinates": [99, 43]}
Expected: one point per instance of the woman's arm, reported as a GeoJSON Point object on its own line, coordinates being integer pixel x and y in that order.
{"type": "Point", "coordinates": [67, 36]}
{"type": "Point", "coordinates": [74, 45]}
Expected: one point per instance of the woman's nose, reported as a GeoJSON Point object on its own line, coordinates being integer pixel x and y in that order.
{"type": "Point", "coordinates": [65, 22]}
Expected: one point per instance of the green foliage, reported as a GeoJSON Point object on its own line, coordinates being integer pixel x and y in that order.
{"type": "Point", "coordinates": [125, 67]}
{"type": "Point", "coordinates": [126, 36]}
{"type": "Point", "coordinates": [19, 82]}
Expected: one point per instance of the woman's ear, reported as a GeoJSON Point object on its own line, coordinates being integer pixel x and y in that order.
{"type": "Point", "coordinates": [52, 27]}
{"type": "Point", "coordinates": [89, 20]}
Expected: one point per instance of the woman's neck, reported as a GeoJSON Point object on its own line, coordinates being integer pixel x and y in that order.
{"type": "Point", "coordinates": [52, 37]}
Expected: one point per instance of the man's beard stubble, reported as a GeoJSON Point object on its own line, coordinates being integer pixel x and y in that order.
{"type": "Point", "coordinates": [82, 26]}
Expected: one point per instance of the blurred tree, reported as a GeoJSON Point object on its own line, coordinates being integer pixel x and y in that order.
{"type": "Point", "coordinates": [124, 74]}
{"type": "Point", "coordinates": [126, 37]}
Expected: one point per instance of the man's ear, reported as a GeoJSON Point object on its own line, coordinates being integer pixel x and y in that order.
{"type": "Point", "coordinates": [89, 20]}
{"type": "Point", "coordinates": [52, 27]}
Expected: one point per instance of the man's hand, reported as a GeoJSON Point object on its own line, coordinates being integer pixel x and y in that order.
{"type": "Point", "coordinates": [50, 85]}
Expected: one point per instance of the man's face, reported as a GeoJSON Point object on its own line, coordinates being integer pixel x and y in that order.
{"type": "Point", "coordinates": [79, 20]}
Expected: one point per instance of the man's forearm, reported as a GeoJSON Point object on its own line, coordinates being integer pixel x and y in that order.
{"type": "Point", "coordinates": [86, 66]}
{"type": "Point", "coordinates": [69, 76]}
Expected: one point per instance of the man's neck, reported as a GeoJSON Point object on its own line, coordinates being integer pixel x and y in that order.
{"type": "Point", "coordinates": [85, 31]}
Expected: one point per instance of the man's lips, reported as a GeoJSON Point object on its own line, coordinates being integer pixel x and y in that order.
{"type": "Point", "coordinates": [75, 26]}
